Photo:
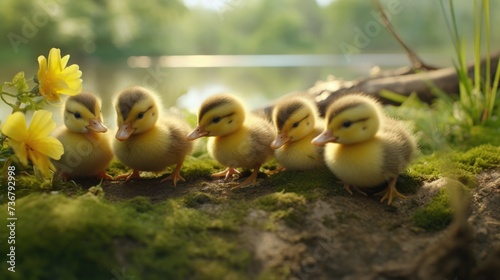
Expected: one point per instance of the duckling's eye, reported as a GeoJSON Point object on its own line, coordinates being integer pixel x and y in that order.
{"type": "Point", "coordinates": [77, 115]}
{"type": "Point", "coordinates": [141, 115]}
{"type": "Point", "coordinates": [295, 124]}
{"type": "Point", "coordinates": [216, 120]}
{"type": "Point", "coordinates": [347, 124]}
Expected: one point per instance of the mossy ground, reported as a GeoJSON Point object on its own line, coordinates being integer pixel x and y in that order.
{"type": "Point", "coordinates": [150, 230]}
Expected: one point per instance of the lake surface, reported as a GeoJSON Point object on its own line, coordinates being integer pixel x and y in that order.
{"type": "Point", "coordinates": [185, 81]}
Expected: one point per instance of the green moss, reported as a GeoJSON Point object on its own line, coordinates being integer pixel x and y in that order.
{"type": "Point", "coordinates": [187, 240]}
{"type": "Point", "coordinates": [140, 204]}
{"type": "Point", "coordinates": [280, 201]}
{"type": "Point", "coordinates": [271, 165]}
{"type": "Point", "coordinates": [200, 167]}
{"type": "Point", "coordinates": [462, 165]}
{"type": "Point", "coordinates": [478, 159]}
{"type": "Point", "coordinates": [90, 238]}
{"type": "Point", "coordinates": [196, 199]}
{"type": "Point", "coordinates": [228, 216]}
{"type": "Point", "coordinates": [289, 207]}
{"type": "Point", "coordinates": [27, 183]}
{"type": "Point", "coordinates": [116, 167]}
{"type": "Point", "coordinates": [311, 183]}
{"type": "Point", "coordinates": [408, 184]}
{"type": "Point", "coordinates": [81, 230]}
{"type": "Point", "coordinates": [426, 167]}
{"type": "Point", "coordinates": [436, 215]}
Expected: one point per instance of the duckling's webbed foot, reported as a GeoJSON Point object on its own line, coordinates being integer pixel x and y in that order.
{"type": "Point", "coordinates": [227, 173]}
{"type": "Point", "coordinates": [175, 176]}
{"type": "Point", "coordinates": [104, 175]}
{"type": "Point", "coordinates": [251, 180]}
{"type": "Point", "coordinates": [129, 176]}
{"type": "Point", "coordinates": [390, 192]}
{"type": "Point", "coordinates": [279, 169]}
{"type": "Point", "coordinates": [349, 188]}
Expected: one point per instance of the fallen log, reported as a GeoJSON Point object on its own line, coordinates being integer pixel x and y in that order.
{"type": "Point", "coordinates": [404, 81]}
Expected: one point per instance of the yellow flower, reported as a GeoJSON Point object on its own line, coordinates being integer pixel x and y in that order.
{"type": "Point", "coordinates": [55, 78]}
{"type": "Point", "coordinates": [33, 143]}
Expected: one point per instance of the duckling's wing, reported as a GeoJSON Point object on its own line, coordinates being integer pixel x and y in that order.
{"type": "Point", "coordinates": [178, 129]}
{"type": "Point", "coordinates": [320, 151]}
{"type": "Point", "coordinates": [261, 135]}
{"type": "Point", "coordinates": [399, 146]}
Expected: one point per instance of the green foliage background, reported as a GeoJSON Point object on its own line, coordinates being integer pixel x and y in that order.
{"type": "Point", "coordinates": [116, 29]}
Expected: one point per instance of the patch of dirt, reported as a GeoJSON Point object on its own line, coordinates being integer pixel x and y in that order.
{"type": "Point", "coordinates": [485, 217]}
{"type": "Point", "coordinates": [356, 237]}
{"type": "Point", "coordinates": [158, 191]}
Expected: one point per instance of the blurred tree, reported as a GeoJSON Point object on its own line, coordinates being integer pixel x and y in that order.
{"type": "Point", "coordinates": [105, 29]}
{"type": "Point", "coordinates": [297, 30]}
{"type": "Point", "coordinates": [120, 28]}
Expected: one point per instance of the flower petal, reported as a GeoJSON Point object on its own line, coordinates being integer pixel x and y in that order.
{"type": "Point", "coordinates": [64, 61]}
{"type": "Point", "coordinates": [48, 146]}
{"type": "Point", "coordinates": [15, 127]}
{"type": "Point", "coordinates": [41, 124]}
{"type": "Point", "coordinates": [54, 60]}
{"type": "Point", "coordinates": [69, 91]}
{"type": "Point", "coordinates": [71, 72]}
{"type": "Point", "coordinates": [40, 161]}
{"type": "Point", "coordinates": [19, 150]}
{"type": "Point", "coordinates": [42, 67]}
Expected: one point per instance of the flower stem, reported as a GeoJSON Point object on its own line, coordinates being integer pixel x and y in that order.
{"type": "Point", "coordinates": [7, 102]}
{"type": "Point", "coordinates": [17, 105]}
{"type": "Point", "coordinates": [9, 94]}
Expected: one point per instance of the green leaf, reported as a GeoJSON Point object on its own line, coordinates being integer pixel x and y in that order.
{"type": "Point", "coordinates": [393, 96]}
{"type": "Point", "coordinates": [412, 101]}
{"type": "Point", "coordinates": [19, 81]}
{"type": "Point", "coordinates": [25, 99]}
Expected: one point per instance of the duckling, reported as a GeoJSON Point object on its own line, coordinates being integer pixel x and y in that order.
{"type": "Point", "coordinates": [145, 141]}
{"type": "Point", "coordinates": [296, 121]}
{"type": "Point", "coordinates": [366, 148]}
{"type": "Point", "coordinates": [237, 139]}
{"type": "Point", "coordinates": [87, 148]}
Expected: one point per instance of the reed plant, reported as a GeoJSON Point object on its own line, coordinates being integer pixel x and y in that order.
{"type": "Point", "coordinates": [478, 94]}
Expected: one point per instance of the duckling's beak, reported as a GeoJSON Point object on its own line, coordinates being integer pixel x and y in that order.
{"type": "Point", "coordinates": [96, 125]}
{"type": "Point", "coordinates": [197, 133]}
{"type": "Point", "coordinates": [324, 138]}
{"type": "Point", "coordinates": [280, 140]}
{"type": "Point", "coordinates": [124, 131]}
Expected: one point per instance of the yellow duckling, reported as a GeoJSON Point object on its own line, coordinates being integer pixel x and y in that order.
{"type": "Point", "coordinates": [367, 147]}
{"type": "Point", "coordinates": [239, 139]}
{"type": "Point", "coordinates": [145, 141]}
{"type": "Point", "coordinates": [87, 148]}
{"type": "Point", "coordinates": [295, 120]}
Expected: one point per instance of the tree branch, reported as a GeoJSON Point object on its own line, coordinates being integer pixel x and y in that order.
{"type": "Point", "coordinates": [415, 61]}
{"type": "Point", "coordinates": [423, 84]}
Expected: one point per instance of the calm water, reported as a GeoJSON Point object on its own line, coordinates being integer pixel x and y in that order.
{"type": "Point", "coordinates": [184, 81]}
